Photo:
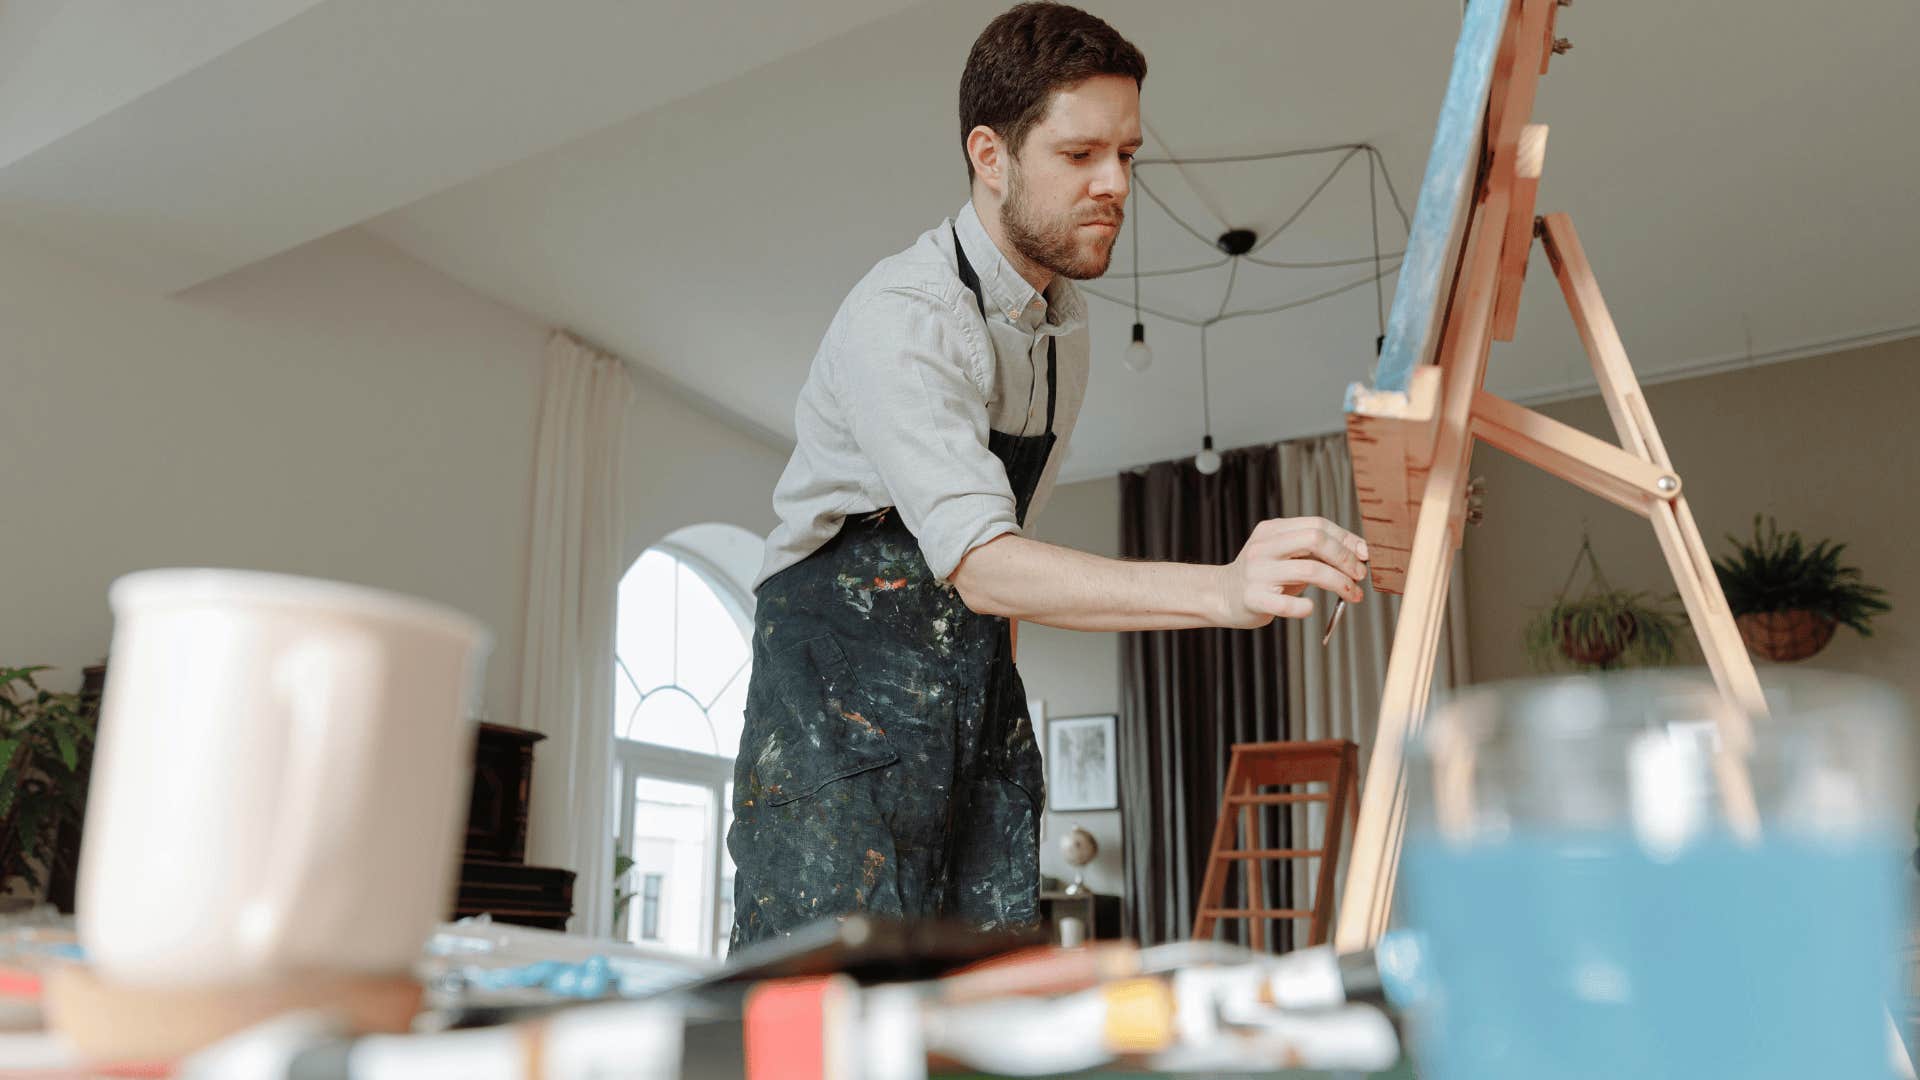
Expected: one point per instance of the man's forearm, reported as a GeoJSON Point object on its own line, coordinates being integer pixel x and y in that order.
{"type": "Point", "coordinates": [1025, 579]}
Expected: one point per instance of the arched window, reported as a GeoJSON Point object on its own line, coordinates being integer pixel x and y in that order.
{"type": "Point", "coordinates": [683, 657]}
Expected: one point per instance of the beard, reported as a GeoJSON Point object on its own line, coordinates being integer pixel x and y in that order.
{"type": "Point", "coordinates": [1056, 244]}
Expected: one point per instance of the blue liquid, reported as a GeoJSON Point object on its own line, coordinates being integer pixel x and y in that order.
{"type": "Point", "coordinates": [1578, 955]}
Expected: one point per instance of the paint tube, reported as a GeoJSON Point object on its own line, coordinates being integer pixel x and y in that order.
{"type": "Point", "coordinates": [1388, 974]}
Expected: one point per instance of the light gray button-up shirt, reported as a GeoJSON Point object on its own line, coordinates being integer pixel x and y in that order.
{"type": "Point", "coordinates": [904, 389]}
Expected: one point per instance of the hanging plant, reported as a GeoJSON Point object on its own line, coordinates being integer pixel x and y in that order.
{"type": "Point", "coordinates": [1788, 598]}
{"type": "Point", "coordinates": [1603, 628]}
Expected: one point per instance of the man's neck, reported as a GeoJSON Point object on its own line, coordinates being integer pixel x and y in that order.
{"type": "Point", "coordinates": [1035, 275]}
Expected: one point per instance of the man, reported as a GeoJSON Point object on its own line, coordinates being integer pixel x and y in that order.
{"type": "Point", "coordinates": [888, 764]}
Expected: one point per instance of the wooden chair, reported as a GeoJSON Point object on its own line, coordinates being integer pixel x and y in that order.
{"type": "Point", "coordinates": [1330, 764]}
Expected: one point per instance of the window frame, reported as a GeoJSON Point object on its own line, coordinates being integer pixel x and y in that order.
{"type": "Point", "coordinates": [634, 760]}
{"type": "Point", "coordinates": [651, 886]}
{"type": "Point", "coordinates": [637, 760]}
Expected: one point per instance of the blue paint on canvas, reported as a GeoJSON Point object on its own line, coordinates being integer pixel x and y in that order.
{"type": "Point", "coordinates": [1445, 197]}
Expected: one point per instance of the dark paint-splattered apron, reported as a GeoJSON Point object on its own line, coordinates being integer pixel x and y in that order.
{"type": "Point", "coordinates": [888, 763]}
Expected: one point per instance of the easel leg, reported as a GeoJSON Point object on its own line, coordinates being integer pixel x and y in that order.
{"type": "Point", "coordinates": [1673, 522]}
{"type": "Point", "coordinates": [1376, 836]}
{"type": "Point", "coordinates": [1706, 605]}
{"type": "Point", "coordinates": [1672, 519]}
{"type": "Point", "coordinates": [1368, 898]}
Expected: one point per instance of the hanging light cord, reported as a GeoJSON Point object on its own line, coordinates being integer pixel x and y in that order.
{"type": "Point", "coordinates": [1244, 312]}
{"type": "Point", "coordinates": [1378, 258]}
{"type": "Point", "coordinates": [1136, 260]}
{"type": "Point", "coordinates": [1376, 170]}
{"type": "Point", "coordinates": [1379, 290]}
{"type": "Point", "coordinates": [1206, 402]}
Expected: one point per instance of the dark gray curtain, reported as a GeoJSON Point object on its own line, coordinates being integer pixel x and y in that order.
{"type": "Point", "coordinates": [1188, 695]}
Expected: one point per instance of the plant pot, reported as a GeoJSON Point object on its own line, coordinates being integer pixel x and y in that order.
{"type": "Point", "coordinates": [1785, 636]}
{"type": "Point", "coordinates": [1596, 651]}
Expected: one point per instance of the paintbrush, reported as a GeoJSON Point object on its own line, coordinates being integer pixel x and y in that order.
{"type": "Point", "coordinates": [1338, 610]}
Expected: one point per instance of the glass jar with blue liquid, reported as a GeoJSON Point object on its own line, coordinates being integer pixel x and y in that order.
{"type": "Point", "coordinates": [1617, 876]}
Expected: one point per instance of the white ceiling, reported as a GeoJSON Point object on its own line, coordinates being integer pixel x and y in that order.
{"type": "Point", "coordinates": [697, 184]}
{"type": "Point", "coordinates": [182, 139]}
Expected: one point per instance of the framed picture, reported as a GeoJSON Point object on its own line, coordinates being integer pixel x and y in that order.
{"type": "Point", "coordinates": [1083, 772]}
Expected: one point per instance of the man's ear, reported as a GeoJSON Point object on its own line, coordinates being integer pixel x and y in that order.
{"type": "Point", "coordinates": [989, 156]}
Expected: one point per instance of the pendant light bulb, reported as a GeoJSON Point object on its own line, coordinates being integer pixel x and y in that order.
{"type": "Point", "coordinates": [1207, 461]}
{"type": "Point", "coordinates": [1138, 357]}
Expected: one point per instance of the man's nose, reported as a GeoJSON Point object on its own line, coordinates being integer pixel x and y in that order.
{"type": "Point", "coordinates": [1113, 180]}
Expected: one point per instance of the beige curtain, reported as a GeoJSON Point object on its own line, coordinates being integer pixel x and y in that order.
{"type": "Point", "coordinates": [573, 578]}
{"type": "Point", "coordinates": [1334, 692]}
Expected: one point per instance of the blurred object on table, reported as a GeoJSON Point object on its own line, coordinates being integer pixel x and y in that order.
{"type": "Point", "coordinates": [1607, 885]}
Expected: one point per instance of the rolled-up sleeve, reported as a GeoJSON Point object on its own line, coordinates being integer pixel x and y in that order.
{"type": "Point", "coordinates": [913, 397]}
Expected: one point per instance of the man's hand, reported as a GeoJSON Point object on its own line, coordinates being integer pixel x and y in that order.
{"type": "Point", "coordinates": [1279, 561]}
{"type": "Point", "coordinates": [1018, 578]}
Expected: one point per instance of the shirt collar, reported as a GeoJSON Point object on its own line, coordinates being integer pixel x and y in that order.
{"type": "Point", "coordinates": [1060, 310]}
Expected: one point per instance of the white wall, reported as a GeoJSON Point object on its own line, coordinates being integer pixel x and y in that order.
{"type": "Point", "coordinates": [1078, 674]}
{"type": "Point", "coordinates": [340, 411]}
{"type": "Point", "coordinates": [1825, 445]}
{"type": "Point", "coordinates": [685, 467]}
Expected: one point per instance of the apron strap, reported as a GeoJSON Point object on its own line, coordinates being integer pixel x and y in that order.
{"type": "Point", "coordinates": [967, 277]}
{"type": "Point", "coordinates": [1052, 380]}
{"type": "Point", "coordinates": [972, 281]}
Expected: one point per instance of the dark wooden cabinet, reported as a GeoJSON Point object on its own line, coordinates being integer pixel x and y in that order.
{"type": "Point", "coordinates": [516, 893]}
{"type": "Point", "coordinates": [502, 786]}
{"type": "Point", "coordinates": [494, 877]}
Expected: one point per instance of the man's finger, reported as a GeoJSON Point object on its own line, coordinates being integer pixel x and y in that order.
{"type": "Point", "coordinates": [1315, 543]}
{"type": "Point", "coordinates": [1348, 540]}
{"type": "Point", "coordinates": [1320, 575]}
{"type": "Point", "coordinates": [1279, 605]}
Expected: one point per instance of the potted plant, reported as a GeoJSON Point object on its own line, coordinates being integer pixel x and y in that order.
{"type": "Point", "coordinates": [622, 896]}
{"type": "Point", "coordinates": [1603, 628]}
{"type": "Point", "coordinates": [45, 742]}
{"type": "Point", "coordinates": [1789, 598]}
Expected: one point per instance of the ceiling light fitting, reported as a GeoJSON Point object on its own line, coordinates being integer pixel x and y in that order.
{"type": "Point", "coordinates": [1236, 241]}
{"type": "Point", "coordinates": [1241, 245]}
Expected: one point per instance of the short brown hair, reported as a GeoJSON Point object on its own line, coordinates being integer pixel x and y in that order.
{"type": "Point", "coordinates": [1028, 53]}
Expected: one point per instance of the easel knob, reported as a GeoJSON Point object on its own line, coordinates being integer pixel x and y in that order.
{"type": "Point", "coordinates": [1561, 46]}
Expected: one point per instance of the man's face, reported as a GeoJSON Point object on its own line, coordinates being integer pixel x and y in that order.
{"type": "Point", "coordinates": [1067, 186]}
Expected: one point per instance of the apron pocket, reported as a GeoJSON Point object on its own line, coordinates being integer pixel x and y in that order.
{"type": "Point", "coordinates": [1017, 758]}
{"type": "Point", "coordinates": [827, 731]}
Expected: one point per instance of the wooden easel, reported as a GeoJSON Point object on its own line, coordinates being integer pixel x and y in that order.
{"type": "Point", "coordinates": [1412, 433]}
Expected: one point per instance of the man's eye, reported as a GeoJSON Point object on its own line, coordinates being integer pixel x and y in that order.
{"type": "Point", "coordinates": [1078, 155]}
